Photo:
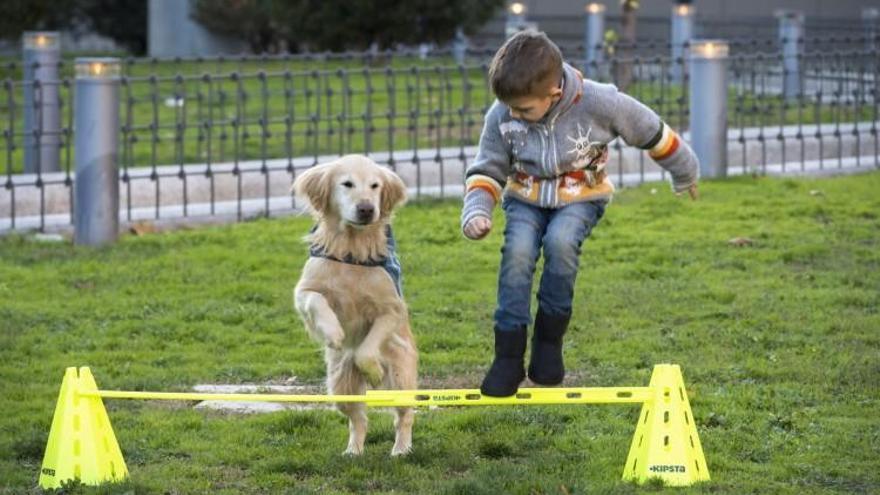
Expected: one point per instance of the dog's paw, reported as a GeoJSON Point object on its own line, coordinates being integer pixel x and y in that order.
{"type": "Point", "coordinates": [399, 450]}
{"type": "Point", "coordinates": [371, 368]}
{"type": "Point", "coordinates": [353, 450]}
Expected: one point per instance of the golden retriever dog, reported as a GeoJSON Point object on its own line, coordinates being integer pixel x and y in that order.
{"type": "Point", "coordinates": [346, 298]}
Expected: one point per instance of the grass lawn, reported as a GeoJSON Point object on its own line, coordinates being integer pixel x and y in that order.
{"type": "Point", "coordinates": [778, 341]}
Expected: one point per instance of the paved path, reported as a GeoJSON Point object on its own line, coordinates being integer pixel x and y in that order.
{"type": "Point", "coordinates": [258, 187]}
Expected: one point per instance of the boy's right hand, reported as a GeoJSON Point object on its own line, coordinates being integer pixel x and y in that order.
{"type": "Point", "coordinates": [477, 228]}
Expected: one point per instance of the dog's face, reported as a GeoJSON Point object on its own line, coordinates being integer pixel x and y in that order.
{"type": "Point", "coordinates": [353, 189]}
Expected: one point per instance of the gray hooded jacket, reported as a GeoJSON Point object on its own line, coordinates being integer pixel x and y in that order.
{"type": "Point", "coordinates": [561, 158]}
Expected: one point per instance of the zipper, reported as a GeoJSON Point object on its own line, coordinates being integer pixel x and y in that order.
{"type": "Point", "coordinates": [545, 149]}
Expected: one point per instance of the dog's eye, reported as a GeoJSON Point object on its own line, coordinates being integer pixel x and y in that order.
{"type": "Point", "coordinates": [374, 185]}
{"type": "Point", "coordinates": [349, 184]}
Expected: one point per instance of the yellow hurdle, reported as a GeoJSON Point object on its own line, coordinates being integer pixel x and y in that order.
{"type": "Point", "coordinates": [82, 444]}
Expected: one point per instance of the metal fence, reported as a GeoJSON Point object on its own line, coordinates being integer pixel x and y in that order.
{"type": "Point", "coordinates": [568, 29]}
{"type": "Point", "coordinates": [226, 136]}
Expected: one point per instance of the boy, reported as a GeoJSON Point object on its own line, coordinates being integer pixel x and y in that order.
{"type": "Point", "coordinates": [543, 149]}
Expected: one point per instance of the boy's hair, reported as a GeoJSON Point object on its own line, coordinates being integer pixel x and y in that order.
{"type": "Point", "coordinates": [524, 64]}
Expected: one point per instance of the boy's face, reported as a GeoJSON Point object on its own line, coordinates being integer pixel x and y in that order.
{"type": "Point", "coordinates": [533, 108]}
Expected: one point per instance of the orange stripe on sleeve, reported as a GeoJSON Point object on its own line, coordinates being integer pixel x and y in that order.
{"type": "Point", "coordinates": [666, 148]}
{"type": "Point", "coordinates": [486, 183]}
{"type": "Point", "coordinates": [486, 187]}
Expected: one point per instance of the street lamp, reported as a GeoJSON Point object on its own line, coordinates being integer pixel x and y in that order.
{"type": "Point", "coordinates": [870, 18]}
{"type": "Point", "coordinates": [96, 131]}
{"type": "Point", "coordinates": [516, 18]}
{"type": "Point", "coordinates": [517, 8]}
{"type": "Point", "coordinates": [708, 105]}
{"type": "Point", "coordinates": [682, 32]}
{"type": "Point", "coordinates": [791, 37]}
{"type": "Point", "coordinates": [594, 32]}
{"type": "Point", "coordinates": [41, 103]}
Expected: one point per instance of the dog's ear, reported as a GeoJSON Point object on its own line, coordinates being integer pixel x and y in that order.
{"type": "Point", "coordinates": [315, 185]}
{"type": "Point", "coordinates": [393, 192]}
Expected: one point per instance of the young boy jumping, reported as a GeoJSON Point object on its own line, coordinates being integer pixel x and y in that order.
{"type": "Point", "coordinates": [542, 153]}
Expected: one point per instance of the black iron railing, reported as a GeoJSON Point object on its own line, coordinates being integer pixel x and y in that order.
{"type": "Point", "coordinates": [226, 135]}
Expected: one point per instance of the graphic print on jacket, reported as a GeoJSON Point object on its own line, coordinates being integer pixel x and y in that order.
{"type": "Point", "coordinates": [586, 160]}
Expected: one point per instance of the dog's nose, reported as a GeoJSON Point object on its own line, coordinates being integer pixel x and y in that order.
{"type": "Point", "coordinates": [365, 211]}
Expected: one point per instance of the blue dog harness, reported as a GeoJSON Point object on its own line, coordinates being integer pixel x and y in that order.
{"type": "Point", "coordinates": [390, 263]}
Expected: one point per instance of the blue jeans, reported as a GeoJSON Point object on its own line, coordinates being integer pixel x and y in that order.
{"type": "Point", "coordinates": [560, 232]}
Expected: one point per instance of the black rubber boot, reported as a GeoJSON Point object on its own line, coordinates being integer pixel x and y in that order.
{"type": "Point", "coordinates": [507, 370]}
{"type": "Point", "coordinates": [545, 364]}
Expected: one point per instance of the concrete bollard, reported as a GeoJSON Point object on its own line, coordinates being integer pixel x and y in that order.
{"type": "Point", "coordinates": [96, 130]}
{"type": "Point", "coordinates": [682, 32]}
{"type": "Point", "coordinates": [708, 105]}
{"type": "Point", "coordinates": [594, 40]}
{"type": "Point", "coordinates": [516, 19]}
{"type": "Point", "coordinates": [870, 21]}
{"type": "Point", "coordinates": [791, 38]}
{"type": "Point", "coordinates": [459, 47]}
{"type": "Point", "coordinates": [41, 105]}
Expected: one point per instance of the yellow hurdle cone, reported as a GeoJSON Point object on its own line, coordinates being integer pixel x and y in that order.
{"type": "Point", "coordinates": [81, 443]}
{"type": "Point", "coordinates": [666, 444]}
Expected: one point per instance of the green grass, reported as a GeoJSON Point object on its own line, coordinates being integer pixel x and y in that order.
{"type": "Point", "coordinates": [778, 342]}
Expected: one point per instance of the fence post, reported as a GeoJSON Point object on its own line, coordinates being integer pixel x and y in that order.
{"type": "Point", "coordinates": [42, 109]}
{"type": "Point", "coordinates": [682, 32]}
{"type": "Point", "coordinates": [594, 36]}
{"type": "Point", "coordinates": [791, 38]}
{"type": "Point", "coordinates": [708, 105]}
{"type": "Point", "coordinates": [96, 126]}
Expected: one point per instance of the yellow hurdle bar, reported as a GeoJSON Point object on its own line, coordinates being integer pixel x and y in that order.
{"type": "Point", "coordinates": [82, 444]}
{"type": "Point", "coordinates": [415, 398]}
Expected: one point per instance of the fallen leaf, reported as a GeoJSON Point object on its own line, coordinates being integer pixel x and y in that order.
{"type": "Point", "coordinates": [142, 228]}
{"type": "Point", "coordinates": [740, 241]}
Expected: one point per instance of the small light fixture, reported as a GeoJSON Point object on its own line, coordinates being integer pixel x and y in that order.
{"type": "Point", "coordinates": [709, 48]}
{"type": "Point", "coordinates": [517, 8]}
{"type": "Point", "coordinates": [683, 10]}
{"type": "Point", "coordinates": [98, 68]}
{"type": "Point", "coordinates": [40, 40]}
{"type": "Point", "coordinates": [595, 8]}
{"type": "Point", "coordinates": [792, 15]}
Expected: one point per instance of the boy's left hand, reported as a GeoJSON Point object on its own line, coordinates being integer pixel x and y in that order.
{"type": "Point", "coordinates": [692, 192]}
